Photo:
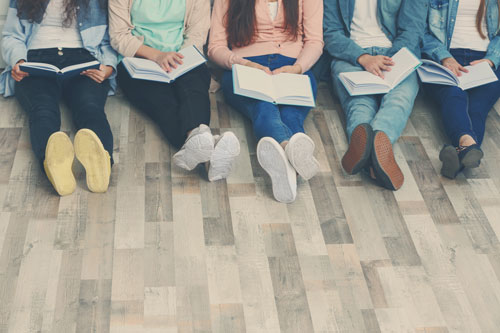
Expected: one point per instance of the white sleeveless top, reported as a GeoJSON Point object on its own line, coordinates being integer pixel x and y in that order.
{"type": "Point", "coordinates": [52, 33]}
{"type": "Point", "coordinates": [465, 34]}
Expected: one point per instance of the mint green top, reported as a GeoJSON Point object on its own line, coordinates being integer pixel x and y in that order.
{"type": "Point", "coordinates": [160, 22]}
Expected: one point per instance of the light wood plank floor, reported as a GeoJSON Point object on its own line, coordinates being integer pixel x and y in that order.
{"type": "Point", "coordinates": [166, 251]}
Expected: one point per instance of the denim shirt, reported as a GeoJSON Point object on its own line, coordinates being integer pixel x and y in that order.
{"type": "Point", "coordinates": [403, 22]}
{"type": "Point", "coordinates": [18, 34]}
{"type": "Point", "coordinates": [441, 23]}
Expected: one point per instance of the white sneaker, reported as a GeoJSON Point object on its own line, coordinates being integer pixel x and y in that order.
{"type": "Point", "coordinates": [227, 147]}
{"type": "Point", "coordinates": [300, 152]}
{"type": "Point", "coordinates": [273, 160]}
{"type": "Point", "coordinates": [197, 149]}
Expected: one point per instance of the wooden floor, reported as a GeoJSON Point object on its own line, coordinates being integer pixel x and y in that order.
{"type": "Point", "coordinates": [166, 251]}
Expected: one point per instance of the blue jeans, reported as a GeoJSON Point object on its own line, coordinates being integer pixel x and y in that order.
{"type": "Point", "coordinates": [465, 112]}
{"type": "Point", "coordinates": [388, 113]}
{"type": "Point", "coordinates": [277, 121]}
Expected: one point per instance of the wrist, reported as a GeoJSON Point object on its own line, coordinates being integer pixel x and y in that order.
{"type": "Point", "coordinates": [361, 59]}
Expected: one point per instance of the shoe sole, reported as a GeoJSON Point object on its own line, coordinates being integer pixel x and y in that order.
{"type": "Point", "coordinates": [221, 162]}
{"type": "Point", "coordinates": [386, 168]}
{"type": "Point", "coordinates": [94, 158]}
{"type": "Point", "coordinates": [359, 151]}
{"type": "Point", "coordinates": [451, 162]}
{"type": "Point", "coordinates": [472, 159]}
{"type": "Point", "coordinates": [59, 157]}
{"type": "Point", "coordinates": [198, 148]}
{"type": "Point", "coordinates": [275, 163]}
{"type": "Point", "coordinates": [300, 152]}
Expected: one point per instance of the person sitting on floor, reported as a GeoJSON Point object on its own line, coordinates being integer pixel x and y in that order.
{"type": "Point", "coordinates": [62, 33]}
{"type": "Point", "coordinates": [364, 35]}
{"type": "Point", "coordinates": [463, 33]}
{"type": "Point", "coordinates": [276, 36]}
{"type": "Point", "coordinates": [157, 30]}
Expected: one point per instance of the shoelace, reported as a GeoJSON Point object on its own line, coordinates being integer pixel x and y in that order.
{"type": "Point", "coordinates": [461, 148]}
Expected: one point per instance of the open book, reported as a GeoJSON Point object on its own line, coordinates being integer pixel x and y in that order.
{"type": "Point", "coordinates": [145, 69]}
{"type": "Point", "coordinates": [43, 69]}
{"type": "Point", "coordinates": [366, 83]}
{"type": "Point", "coordinates": [432, 72]}
{"type": "Point", "coordinates": [284, 88]}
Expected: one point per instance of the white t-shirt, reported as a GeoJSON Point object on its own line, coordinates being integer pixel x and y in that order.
{"type": "Point", "coordinates": [52, 33]}
{"type": "Point", "coordinates": [465, 34]}
{"type": "Point", "coordinates": [273, 9]}
{"type": "Point", "coordinates": [366, 29]}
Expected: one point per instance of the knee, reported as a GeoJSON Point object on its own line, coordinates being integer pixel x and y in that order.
{"type": "Point", "coordinates": [265, 112]}
{"type": "Point", "coordinates": [41, 113]}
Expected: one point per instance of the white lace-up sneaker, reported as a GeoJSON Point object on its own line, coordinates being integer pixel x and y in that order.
{"type": "Point", "coordinates": [274, 161]}
{"type": "Point", "coordinates": [198, 148]}
{"type": "Point", "coordinates": [227, 147]}
{"type": "Point", "coordinates": [300, 152]}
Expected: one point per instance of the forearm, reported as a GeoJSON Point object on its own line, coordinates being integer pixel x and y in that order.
{"type": "Point", "coordinates": [434, 49]}
{"type": "Point", "coordinates": [309, 55]}
{"type": "Point", "coordinates": [147, 52]}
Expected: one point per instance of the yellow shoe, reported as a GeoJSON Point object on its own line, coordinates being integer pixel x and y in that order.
{"type": "Point", "coordinates": [94, 158]}
{"type": "Point", "coordinates": [59, 156]}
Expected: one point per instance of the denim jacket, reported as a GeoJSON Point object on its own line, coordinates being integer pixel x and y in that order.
{"type": "Point", "coordinates": [441, 23]}
{"type": "Point", "coordinates": [18, 34]}
{"type": "Point", "coordinates": [403, 22]}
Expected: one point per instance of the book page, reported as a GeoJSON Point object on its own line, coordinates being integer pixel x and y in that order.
{"type": "Point", "coordinates": [255, 80]}
{"type": "Point", "coordinates": [145, 69]}
{"type": "Point", "coordinates": [40, 65]}
{"type": "Point", "coordinates": [141, 65]}
{"type": "Point", "coordinates": [404, 64]}
{"type": "Point", "coordinates": [363, 79]}
{"type": "Point", "coordinates": [292, 85]}
{"type": "Point", "coordinates": [478, 75]}
{"type": "Point", "coordinates": [84, 66]}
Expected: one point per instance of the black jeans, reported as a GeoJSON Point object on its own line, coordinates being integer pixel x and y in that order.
{"type": "Point", "coordinates": [177, 107]}
{"type": "Point", "coordinates": [40, 97]}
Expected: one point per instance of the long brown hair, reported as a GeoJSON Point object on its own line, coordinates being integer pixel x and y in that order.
{"type": "Point", "coordinates": [480, 17]}
{"type": "Point", "coordinates": [241, 19]}
{"type": "Point", "coordinates": [33, 10]}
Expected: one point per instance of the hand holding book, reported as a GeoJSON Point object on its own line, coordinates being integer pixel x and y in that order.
{"type": "Point", "coordinates": [378, 80]}
{"type": "Point", "coordinates": [474, 75]}
{"type": "Point", "coordinates": [17, 73]}
{"type": "Point", "coordinates": [169, 61]}
{"type": "Point", "coordinates": [283, 88]}
{"type": "Point", "coordinates": [454, 66]}
{"type": "Point", "coordinates": [99, 75]}
{"type": "Point", "coordinates": [376, 65]}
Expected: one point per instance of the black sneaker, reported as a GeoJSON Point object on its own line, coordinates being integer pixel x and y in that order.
{"type": "Point", "coordinates": [470, 156]}
{"type": "Point", "coordinates": [451, 162]}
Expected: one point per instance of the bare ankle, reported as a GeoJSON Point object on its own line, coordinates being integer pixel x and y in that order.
{"type": "Point", "coordinates": [466, 140]}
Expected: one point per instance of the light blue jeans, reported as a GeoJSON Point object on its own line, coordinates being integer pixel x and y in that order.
{"type": "Point", "coordinates": [388, 113]}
